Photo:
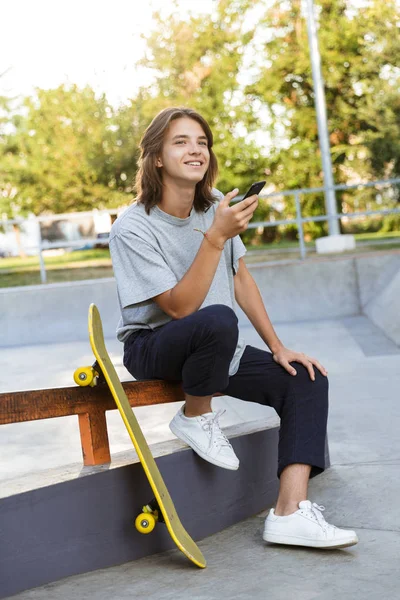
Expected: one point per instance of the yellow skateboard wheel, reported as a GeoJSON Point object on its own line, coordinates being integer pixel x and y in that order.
{"type": "Point", "coordinates": [84, 376]}
{"type": "Point", "coordinates": [145, 522]}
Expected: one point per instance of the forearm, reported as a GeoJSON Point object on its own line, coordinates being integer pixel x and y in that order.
{"type": "Point", "coordinates": [189, 294]}
{"type": "Point", "coordinates": [250, 301]}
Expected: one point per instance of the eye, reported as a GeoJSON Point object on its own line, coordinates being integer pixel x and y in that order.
{"type": "Point", "coordinates": [183, 141]}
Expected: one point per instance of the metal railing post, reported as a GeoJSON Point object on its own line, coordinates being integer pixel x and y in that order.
{"type": "Point", "coordinates": [322, 119]}
{"type": "Point", "coordinates": [303, 249]}
{"type": "Point", "coordinates": [43, 274]}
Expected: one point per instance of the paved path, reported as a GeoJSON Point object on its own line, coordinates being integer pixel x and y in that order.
{"type": "Point", "coordinates": [361, 490]}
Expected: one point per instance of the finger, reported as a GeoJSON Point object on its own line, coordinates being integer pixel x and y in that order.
{"type": "Point", "coordinates": [243, 205]}
{"type": "Point", "coordinates": [252, 207]}
{"type": "Point", "coordinates": [286, 365]}
{"type": "Point", "coordinates": [244, 223]}
{"type": "Point", "coordinates": [319, 366]}
{"type": "Point", "coordinates": [230, 195]}
{"type": "Point", "coordinates": [249, 210]}
{"type": "Point", "coordinates": [308, 365]}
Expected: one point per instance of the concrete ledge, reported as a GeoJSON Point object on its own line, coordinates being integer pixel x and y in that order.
{"type": "Point", "coordinates": [73, 520]}
{"type": "Point", "coordinates": [87, 522]}
{"type": "Point", "coordinates": [41, 479]}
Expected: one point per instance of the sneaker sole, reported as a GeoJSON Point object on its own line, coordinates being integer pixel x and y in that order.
{"type": "Point", "coordinates": [204, 456]}
{"type": "Point", "coordinates": [297, 541]}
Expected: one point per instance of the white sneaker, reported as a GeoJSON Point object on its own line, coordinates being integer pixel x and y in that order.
{"type": "Point", "coordinates": [204, 435]}
{"type": "Point", "coordinates": [306, 527]}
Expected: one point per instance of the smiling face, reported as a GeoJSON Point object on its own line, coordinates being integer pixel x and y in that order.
{"type": "Point", "coordinates": [185, 155]}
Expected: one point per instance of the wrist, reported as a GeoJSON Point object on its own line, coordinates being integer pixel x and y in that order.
{"type": "Point", "coordinates": [276, 346]}
{"type": "Point", "coordinates": [216, 237]}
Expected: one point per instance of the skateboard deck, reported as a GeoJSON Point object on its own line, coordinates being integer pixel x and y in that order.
{"type": "Point", "coordinates": [175, 528]}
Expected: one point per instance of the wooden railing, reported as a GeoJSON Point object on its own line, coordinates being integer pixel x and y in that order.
{"type": "Point", "coordinates": [90, 404]}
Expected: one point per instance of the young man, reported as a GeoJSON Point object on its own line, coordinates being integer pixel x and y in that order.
{"type": "Point", "coordinates": [178, 263]}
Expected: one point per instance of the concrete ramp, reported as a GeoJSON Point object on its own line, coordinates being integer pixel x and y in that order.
{"type": "Point", "coordinates": [384, 308]}
{"type": "Point", "coordinates": [375, 273]}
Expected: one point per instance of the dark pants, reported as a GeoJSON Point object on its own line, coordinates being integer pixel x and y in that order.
{"type": "Point", "coordinates": [198, 349]}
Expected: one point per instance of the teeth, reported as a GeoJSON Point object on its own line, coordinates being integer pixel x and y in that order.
{"type": "Point", "coordinates": [196, 164]}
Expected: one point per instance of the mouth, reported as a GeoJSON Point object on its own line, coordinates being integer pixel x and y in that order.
{"type": "Point", "coordinates": [194, 164]}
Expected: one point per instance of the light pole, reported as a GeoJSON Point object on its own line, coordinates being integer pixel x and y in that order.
{"type": "Point", "coordinates": [320, 105]}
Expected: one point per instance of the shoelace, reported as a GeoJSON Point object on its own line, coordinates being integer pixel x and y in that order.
{"type": "Point", "coordinates": [211, 425]}
{"type": "Point", "coordinates": [317, 512]}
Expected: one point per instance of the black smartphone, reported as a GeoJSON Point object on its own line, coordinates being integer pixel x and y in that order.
{"type": "Point", "coordinates": [255, 188]}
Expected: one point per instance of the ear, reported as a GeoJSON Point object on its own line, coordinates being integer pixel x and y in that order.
{"type": "Point", "coordinates": [158, 162]}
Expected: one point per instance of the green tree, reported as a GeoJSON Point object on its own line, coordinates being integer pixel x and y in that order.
{"type": "Point", "coordinates": [197, 61]}
{"type": "Point", "coordinates": [6, 187]}
{"type": "Point", "coordinates": [68, 151]}
{"type": "Point", "coordinates": [360, 51]}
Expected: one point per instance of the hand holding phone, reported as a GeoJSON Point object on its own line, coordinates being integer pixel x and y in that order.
{"type": "Point", "coordinates": [232, 220]}
{"type": "Point", "coordinates": [255, 188]}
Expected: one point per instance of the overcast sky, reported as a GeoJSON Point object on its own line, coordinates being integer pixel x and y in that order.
{"type": "Point", "coordinates": [96, 42]}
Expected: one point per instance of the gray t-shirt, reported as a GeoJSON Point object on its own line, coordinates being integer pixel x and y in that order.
{"type": "Point", "coordinates": [151, 254]}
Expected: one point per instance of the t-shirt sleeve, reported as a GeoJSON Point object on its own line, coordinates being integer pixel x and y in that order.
{"type": "Point", "coordinates": [140, 270]}
{"type": "Point", "coordinates": [238, 250]}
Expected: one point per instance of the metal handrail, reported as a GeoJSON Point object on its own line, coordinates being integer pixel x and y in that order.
{"type": "Point", "coordinates": [299, 220]}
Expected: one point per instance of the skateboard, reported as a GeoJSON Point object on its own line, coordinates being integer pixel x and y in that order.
{"type": "Point", "coordinates": [161, 508]}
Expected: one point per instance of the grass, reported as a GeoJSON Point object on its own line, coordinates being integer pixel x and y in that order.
{"type": "Point", "coordinates": [71, 266]}
{"type": "Point", "coordinates": [361, 237]}
{"type": "Point", "coordinates": [32, 262]}
{"type": "Point", "coordinates": [378, 235]}
{"type": "Point", "coordinates": [18, 278]}
{"type": "Point", "coordinates": [96, 263]}
{"type": "Point", "coordinates": [287, 249]}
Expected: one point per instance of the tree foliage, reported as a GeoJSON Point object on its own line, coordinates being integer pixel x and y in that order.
{"type": "Point", "coordinates": [359, 53]}
{"type": "Point", "coordinates": [197, 62]}
{"type": "Point", "coordinates": [68, 149]}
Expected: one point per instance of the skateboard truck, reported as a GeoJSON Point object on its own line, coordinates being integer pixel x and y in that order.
{"type": "Point", "coordinates": [146, 521]}
{"type": "Point", "coordinates": [92, 376]}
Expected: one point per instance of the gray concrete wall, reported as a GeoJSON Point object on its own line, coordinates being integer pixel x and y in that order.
{"type": "Point", "coordinates": [87, 523]}
{"type": "Point", "coordinates": [375, 273]}
{"type": "Point", "coordinates": [309, 290]}
{"type": "Point", "coordinates": [314, 289]}
{"type": "Point", "coordinates": [55, 312]}
{"type": "Point", "coordinates": [384, 309]}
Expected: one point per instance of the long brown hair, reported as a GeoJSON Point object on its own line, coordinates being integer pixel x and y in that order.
{"type": "Point", "coordinates": [148, 182]}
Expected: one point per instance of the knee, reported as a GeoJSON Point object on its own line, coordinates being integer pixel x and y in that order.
{"type": "Point", "coordinates": [304, 375]}
{"type": "Point", "coordinates": [321, 382]}
{"type": "Point", "coordinates": [318, 388]}
{"type": "Point", "coordinates": [221, 321]}
{"type": "Point", "coordinates": [220, 314]}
